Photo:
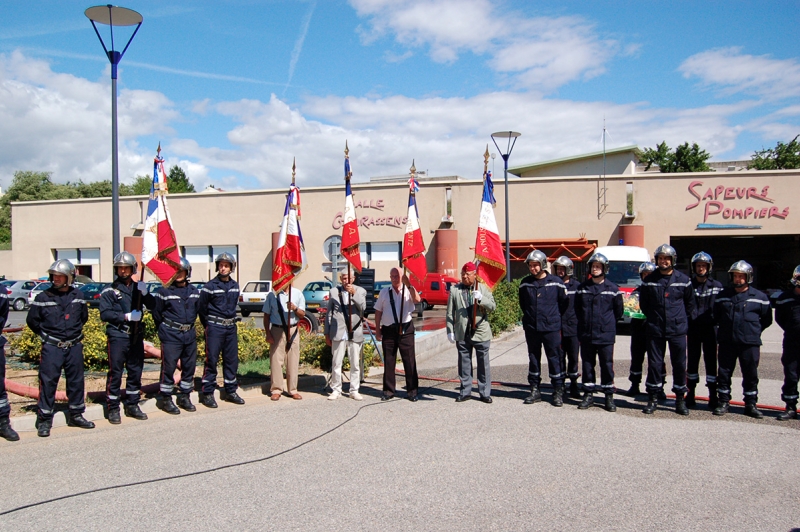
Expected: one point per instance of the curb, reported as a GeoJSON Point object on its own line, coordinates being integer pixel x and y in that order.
{"type": "Point", "coordinates": [96, 412]}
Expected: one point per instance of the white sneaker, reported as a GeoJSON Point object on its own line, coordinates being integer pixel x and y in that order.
{"type": "Point", "coordinates": [334, 395]}
{"type": "Point", "coordinates": [356, 396]}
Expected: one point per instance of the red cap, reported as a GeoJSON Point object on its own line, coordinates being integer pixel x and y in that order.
{"type": "Point", "coordinates": [469, 267]}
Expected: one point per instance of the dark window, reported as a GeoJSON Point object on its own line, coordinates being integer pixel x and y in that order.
{"type": "Point", "coordinates": [434, 287]}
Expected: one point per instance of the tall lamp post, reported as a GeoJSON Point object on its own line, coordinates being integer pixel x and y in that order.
{"type": "Point", "coordinates": [509, 135]}
{"type": "Point", "coordinates": [114, 16]}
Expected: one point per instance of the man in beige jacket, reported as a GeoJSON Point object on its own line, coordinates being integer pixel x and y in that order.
{"type": "Point", "coordinates": [343, 324]}
{"type": "Point", "coordinates": [468, 327]}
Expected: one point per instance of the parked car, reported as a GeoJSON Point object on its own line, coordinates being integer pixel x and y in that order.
{"type": "Point", "coordinates": [435, 289]}
{"type": "Point", "coordinates": [18, 292]}
{"type": "Point", "coordinates": [316, 294]}
{"type": "Point", "coordinates": [252, 297]}
{"type": "Point", "coordinates": [41, 287]}
{"type": "Point", "coordinates": [91, 291]}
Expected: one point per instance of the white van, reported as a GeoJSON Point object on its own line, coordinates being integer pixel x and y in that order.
{"type": "Point", "coordinates": [624, 262]}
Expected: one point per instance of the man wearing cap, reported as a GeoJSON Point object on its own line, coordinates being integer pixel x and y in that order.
{"type": "Point", "coordinates": [343, 332]}
{"type": "Point", "coordinates": [468, 327]}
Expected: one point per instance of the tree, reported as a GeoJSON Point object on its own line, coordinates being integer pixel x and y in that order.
{"type": "Point", "coordinates": [684, 158]}
{"type": "Point", "coordinates": [781, 157]}
{"type": "Point", "coordinates": [178, 181]}
{"type": "Point", "coordinates": [140, 187]}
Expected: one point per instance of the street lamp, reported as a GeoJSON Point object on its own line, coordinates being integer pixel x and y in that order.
{"type": "Point", "coordinates": [114, 16]}
{"type": "Point", "coordinates": [510, 146]}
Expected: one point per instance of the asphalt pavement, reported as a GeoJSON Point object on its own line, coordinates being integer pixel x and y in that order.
{"type": "Point", "coordinates": [435, 464]}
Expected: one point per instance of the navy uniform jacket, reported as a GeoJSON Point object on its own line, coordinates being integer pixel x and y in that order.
{"type": "Point", "coordinates": [3, 313]}
{"type": "Point", "coordinates": [569, 320]}
{"type": "Point", "coordinates": [218, 298]}
{"type": "Point", "coordinates": [742, 317]}
{"type": "Point", "coordinates": [787, 315]}
{"type": "Point", "coordinates": [58, 314]}
{"type": "Point", "coordinates": [705, 295]}
{"type": "Point", "coordinates": [598, 306]}
{"type": "Point", "coordinates": [668, 302]}
{"type": "Point", "coordinates": [115, 302]}
{"type": "Point", "coordinates": [542, 302]}
{"type": "Point", "coordinates": [178, 304]}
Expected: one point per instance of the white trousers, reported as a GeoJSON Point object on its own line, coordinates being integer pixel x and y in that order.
{"type": "Point", "coordinates": [339, 348]}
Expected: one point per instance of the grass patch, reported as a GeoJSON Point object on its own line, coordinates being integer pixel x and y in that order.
{"type": "Point", "coordinates": [254, 369]}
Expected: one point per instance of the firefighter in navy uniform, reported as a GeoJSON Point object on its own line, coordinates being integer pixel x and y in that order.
{"type": "Point", "coordinates": [742, 313]}
{"type": "Point", "coordinates": [57, 316]}
{"type": "Point", "coordinates": [570, 346]}
{"type": "Point", "coordinates": [543, 299]}
{"type": "Point", "coordinates": [174, 314]}
{"type": "Point", "coordinates": [217, 312]}
{"type": "Point", "coordinates": [120, 308]}
{"type": "Point", "coordinates": [5, 408]}
{"type": "Point", "coordinates": [598, 305]}
{"type": "Point", "coordinates": [702, 334]}
{"type": "Point", "coordinates": [667, 299]}
{"type": "Point", "coordinates": [638, 338]}
{"type": "Point", "coordinates": [787, 315]}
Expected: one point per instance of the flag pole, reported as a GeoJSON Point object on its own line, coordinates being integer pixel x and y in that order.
{"type": "Point", "coordinates": [289, 295]}
{"type": "Point", "coordinates": [348, 322]}
{"type": "Point", "coordinates": [474, 302]}
{"type": "Point", "coordinates": [412, 172]}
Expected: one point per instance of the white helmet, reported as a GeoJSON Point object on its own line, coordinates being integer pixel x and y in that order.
{"type": "Point", "coordinates": [62, 267]}
{"type": "Point", "coordinates": [666, 249]}
{"type": "Point", "coordinates": [125, 259]}
{"type": "Point", "coordinates": [566, 262]}
{"type": "Point", "coordinates": [703, 257]}
{"type": "Point", "coordinates": [226, 257]}
{"type": "Point", "coordinates": [537, 256]}
{"type": "Point", "coordinates": [602, 259]}
{"type": "Point", "coordinates": [741, 266]}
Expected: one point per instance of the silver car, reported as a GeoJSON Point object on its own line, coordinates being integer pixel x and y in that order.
{"type": "Point", "coordinates": [18, 292]}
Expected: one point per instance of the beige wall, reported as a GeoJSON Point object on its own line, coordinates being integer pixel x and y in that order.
{"type": "Point", "coordinates": [540, 208]}
{"type": "Point", "coordinates": [616, 163]}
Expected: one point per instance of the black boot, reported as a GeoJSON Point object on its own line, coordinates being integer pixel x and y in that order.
{"type": "Point", "coordinates": [135, 412]}
{"type": "Point", "coordinates": [165, 403]}
{"type": "Point", "coordinates": [77, 420]}
{"type": "Point", "coordinates": [113, 416]}
{"type": "Point", "coordinates": [6, 431]}
{"type": "Point", "coordinates": [791, 412]}
{"type": "Point", "coordinates": [43, 427]}
{"type": "Point", "coordinates": [722, 408]}
{"type": "Point", "coordinates": [691, 402]}
{"type": "Point", "coordinates": [751, 410]}
{"type": "Point", "coordinates": [662, 396]}
{"type": "Point", "coordinates": [713, 400]}
{"type": "Point", "coordinates": [588, 401]}
{"type": "Point", "coordinates": [652, 403]}
{"type": "Point", "coordinates": [534, 397]}
{"type": "Point", "coordinates": [574, 391]}
{"type": "Point", "coordinates": [234, 398]}
{"type": "Point", "coordinates": [185, 402]}
{"type": "Point", "coordinates": [680, 404]}
{"type": "Point", "coordinates": [610, 406]}
{"type": "Point", "coordinates": [634, 390]}
{"type": "Point", "coordinates": [558, 396]}
{"type": "Point", "coordinates": [207, 400]}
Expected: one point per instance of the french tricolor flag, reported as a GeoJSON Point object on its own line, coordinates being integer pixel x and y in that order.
{"type": "Point", "coordinates": [413, 245]}
{"type": "Point", "coordinates": [159, 245]}
{"type": "Point", "coordinates": [290, 256]}
{"type": "Point", "coordinates": [351, 241]}
{"type": "Point", "coordinates": [488, 249]}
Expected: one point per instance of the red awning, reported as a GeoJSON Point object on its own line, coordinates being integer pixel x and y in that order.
{"type": "Point", "coordinates": [577, 249]}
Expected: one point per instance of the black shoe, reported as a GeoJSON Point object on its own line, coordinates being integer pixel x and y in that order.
{"type": "Point", "coordinates": [680, 404]}
{"type": "Point", "coordinates": [791, 413]}
{"type": "Point", "coordinates": [691, 402]}
{"type": "Point", "coordinates": [165, 403]}
{"type": "Point", "coordinates": [185, 402]}
{"type": "Point", "coordinates": [207, 400]}
{"type": "Point", "coordinates": [487, 400]}
{"type": "Point", "coordinates": [752, 411]}
{"type": "Point", "coordinates": [534, 397]}
{"type": "Point", "coordinates": [722, 408]}
{"type": "Point", "coordinates": [713, 400]}
{"type": "Point", "coordinates": [634, 390]}
{"type": "Point", "coordinates": [135, 412]}
{"type": "Point", "coordinates": [661, 395]}
{"type": "Point", "coordinates": [413, 398]}
{"type": "Point", "coordinates": [43, 427]}
{"type": "Point", "coordinates": [113, 416]}
{"type": "Point", "coordinates": [6, 431]}
{"type": "Point", "coordinates": [234, 398]}
{"type": "Point", "coordinates": [652, 403]}
{"type": "Point", "coordinates": [588, 401]}
{"type": "Point", "coordinates": [386, 397]}
{"type": "Point", "coordinates": [610, 406]}
{"type": "Point", "coordinates": [77, 420]}
{"type": "Point", "coordinates": [558, 397]}
{"type": "Point", "coordinates": [462, 398]}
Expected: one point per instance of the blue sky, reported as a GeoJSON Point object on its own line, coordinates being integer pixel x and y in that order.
{"type": "Point", "coordinates": [235, 89]}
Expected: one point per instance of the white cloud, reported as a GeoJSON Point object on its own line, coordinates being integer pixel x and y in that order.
{"type": "Point", "coordinates": [539, 52]}
{"type": "Point", "coordinates": [731, 72]}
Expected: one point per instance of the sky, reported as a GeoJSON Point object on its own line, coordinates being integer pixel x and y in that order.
{"type": "Point", "coordinates": [236, 90]}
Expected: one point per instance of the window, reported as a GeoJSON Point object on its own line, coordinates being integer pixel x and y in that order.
{"type": "Point", "coordinates": [197, 254]}
{"type": "Point", "coordinates": [434, 286]}
{"type": "Point", "coordinates": [629, 212]}
{"type": "Point", "coordinates": [217, 250]}
{"type": "Point", "coordinates": [384, 251]}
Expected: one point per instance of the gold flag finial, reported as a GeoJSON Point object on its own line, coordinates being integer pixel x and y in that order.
{"type": "Point", "coordinates": [486, 161]}
{"type": "Point", "coordinates": [413, 169]}
{"type": "Point", "coordinates": [346, 149]}
{"type": "Point", "coordinates": [158, 151]}
{"type": "Point", "coordinates": [294, 168]}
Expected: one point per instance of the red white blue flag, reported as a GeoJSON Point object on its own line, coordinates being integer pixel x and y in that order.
{"type": "Point", "coordinates": [159, 246]}
{"type": "Point", "coordinates": [488, 249]}
{"type": "Point", "coordinates": [413, 245]}
{"type": "Point", "coordinates": [351, 241]}
{"type": "Point", "coordinates": [290, 256]}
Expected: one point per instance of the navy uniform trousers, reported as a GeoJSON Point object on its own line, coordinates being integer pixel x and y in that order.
{"type": "Point", "coordinates": [124, 353]}
{"type": "Point", "coordinates": [53, 359]}
{"type": "Point", "coordinates": [570, 347]}
{"type": "Point", "coordinates": [222, 339]}
{"type": "Point", "coordinates": [702, 339]}
{"type": "Point", "coordinates": [177, 346]}
{"type": "Point", "coordinates": [5, 408]}
{"type": "Point", "coordinates": [551, 341]}
{"type": "Point", "coordinates": [656, 364]}
{"type": "Point", "coordinates": [748, 356]}
{"type": "Point", "coordinates": [590, 353]}
{"type": "Point", "coordinates": [791, 366]}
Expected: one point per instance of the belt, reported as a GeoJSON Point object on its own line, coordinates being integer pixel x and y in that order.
{"type": "Point", "coordinates": [225, 322]}
{"type": "Point", "coordinates": [183, 327]}
{"type": "Point", "coordinates": [281, 326]}
{"type": "Point", "coordinates": [121, 328]}
{"type": "Point", "coordinates": [63, 344]}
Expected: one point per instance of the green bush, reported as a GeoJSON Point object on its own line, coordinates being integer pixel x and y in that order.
{"type": "Point", "coordinates": [314, 352]}
{"type": "Point", "coordinates": [508, 313]}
